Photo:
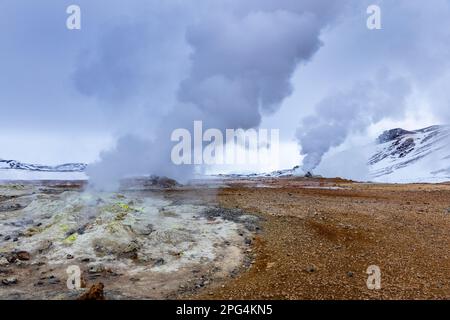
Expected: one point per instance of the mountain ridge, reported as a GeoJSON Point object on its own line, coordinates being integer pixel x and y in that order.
{"type": "Point", "coordinates": [66, 167]}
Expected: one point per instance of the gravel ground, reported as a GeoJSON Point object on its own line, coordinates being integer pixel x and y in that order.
{"type": "Point", "coordinates": [320, 236]}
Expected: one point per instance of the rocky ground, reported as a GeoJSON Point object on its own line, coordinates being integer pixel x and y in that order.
{"type": "Point", "coordinates": [144, 242]}
{"type": "Point", "coordinates": [319, 237]}
{"type": "Point", "coordinates": [284, 238]}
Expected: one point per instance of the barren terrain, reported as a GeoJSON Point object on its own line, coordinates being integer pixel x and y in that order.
{"type": "Point", "coordinates": [319, 237]}
{"type": "Point", "coordinates": [284, 238]}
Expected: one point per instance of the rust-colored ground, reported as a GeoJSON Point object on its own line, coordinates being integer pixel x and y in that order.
{"type": "Point", "coordinates": [317, 243]}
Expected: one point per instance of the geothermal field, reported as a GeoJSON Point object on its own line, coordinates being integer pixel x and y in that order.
{"type": "Point", "coordinates": [225, 238]}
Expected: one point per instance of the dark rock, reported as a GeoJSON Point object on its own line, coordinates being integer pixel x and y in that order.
{"type": "Point", "coordinates": [53, 280]}
{"type": "Point", "coordinates": [11, 258]}
{"type": "Point", "coordinates": [82, 229]}
{"type": "Point", "coordinates": [96, 269]}
{"type": "Point", "coordinates": [7, 238]}
{"type": "Point", "coordinates": [308, 174]}
{"type": "Point", "coordinates": [392, 134]}
{"type": "Point", "coordinates": [5, 271]}
{"type": "Point", "coordinates": [311, 268]}
{"type": "Point", "coordinates": [224, 213]}
{"type": "Point", "coordinates": [94, 293]}
{"type": "Point", "coordinates": [159, 262]}
{"type": "Point", "coordinates": [9, 281]}
{"type": "Point", "coordinates": [23, 255]}
{"type": "Point", "coordinates": [69, 256]}
{"type": "Point", "coordinates": [11, 207]}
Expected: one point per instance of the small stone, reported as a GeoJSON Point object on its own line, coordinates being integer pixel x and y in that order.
{"type": "Point", "coordinates": [350, 274]}
{"type": "Point", "coordinates": [96, 269]}
{"type": "Point", "coordinates": [159, 262]}
{"type": "Point", "coordinates": [82, 229]}
{"type": "Point", "coordinates": [53, 280]}
{"type": "Point", "coordinates": [23, 255]}
{"type": "Point", "coordinates": [39, 283]}
{"type": "Point", "coordinates": [69, 256]}
{"type": "Point", "coordinates": [85, 260]}
{"type": "Point", "coordinates": [311, 269]}
{"type": "Point", "coordinates": [4, 261]}
{"type": "Point", "coordinates": [9, 281]}
{"type": "Point", "coordinates": [7, 238]}
{"type": "Point", "coordinates": [44, 246]}
{"type": "Point", "coordinates": [4, 271]}
{"type": "Point", "coordinates": [94, 293]}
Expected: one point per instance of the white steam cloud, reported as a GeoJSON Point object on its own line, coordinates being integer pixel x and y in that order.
{"type": "Point", "coordinates": [338, 116]}
{"type": "Point", "coordinates": [225, 63]}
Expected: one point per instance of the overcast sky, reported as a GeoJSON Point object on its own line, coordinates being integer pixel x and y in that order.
{"type": "Point", "coordinates": [67, 95]}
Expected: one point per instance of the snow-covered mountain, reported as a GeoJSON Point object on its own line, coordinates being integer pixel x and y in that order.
{"type": "Point", "coordinates": [67, 167]}
{"type": "Point", "coordinates": [296, 171]}
{"type": "Point", "coordinates": [412, 156]}
{"type": "Point", "coordinates": [397, 156]}
{"type": "Point", "coordinates": [15, 170]}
